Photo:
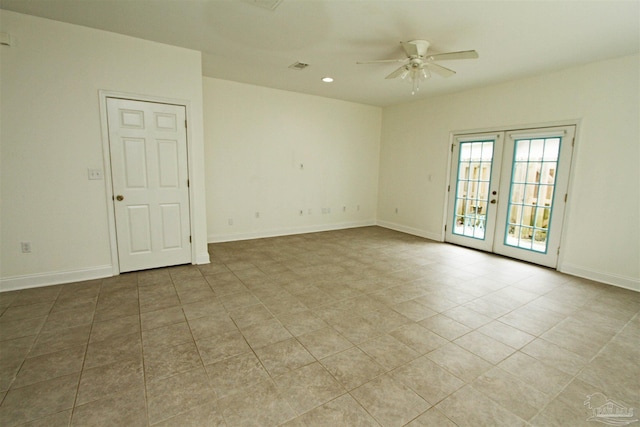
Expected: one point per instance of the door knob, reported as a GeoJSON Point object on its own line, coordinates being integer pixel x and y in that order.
{"type": "Point", "coordinates": [493, 201]}
{"type": "Point", "coordinates": [120, 198]}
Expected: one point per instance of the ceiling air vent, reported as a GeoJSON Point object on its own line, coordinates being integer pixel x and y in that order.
{"type": "Point", "coordinates": [298, 66]}
{"type": "Point", "coordinates": [265, 4]}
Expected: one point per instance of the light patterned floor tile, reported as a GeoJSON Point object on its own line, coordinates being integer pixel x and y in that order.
{"type": "Point", "coordinates": [363, 326]}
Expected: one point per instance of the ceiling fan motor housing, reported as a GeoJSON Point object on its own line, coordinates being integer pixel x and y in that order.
{"type": "Point", "coordinates": [421, 47]}
{"type": "Point", "coordinates": [416, 63]}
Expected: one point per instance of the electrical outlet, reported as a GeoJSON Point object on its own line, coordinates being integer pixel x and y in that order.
{"type": "Point", "coordinates": [95, 174]}
{"type": "Point", "coordinates": [26, 247]}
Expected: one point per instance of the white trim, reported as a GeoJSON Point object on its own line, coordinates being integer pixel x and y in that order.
{"type": "Point", "coordinates": [54, 278]}
{"type": "Point", "coordinates": [566, 225]}
{"type": "Point", "coordinates": [106, 153]}
{"type": "Point", "coordinates": [475, 137]}
{"type": "Point", "coordinates": [533, 135]}
{"type": "Point", "coordinates": [410, 230]}
{"type": "Point", "coordinates": [106, 160]}
{"type": "Point", "coordinates": [219, 238]}
{"type": "Point", "coordinates": [631, 283]}
{"type": "Point", "coordinates": [516, 128]}
{"type": "Point", "coordinates": [203, 259]}
{"type": "Point", "coordinates": [447, 190]}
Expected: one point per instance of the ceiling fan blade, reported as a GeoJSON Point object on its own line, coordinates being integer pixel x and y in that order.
{"type": "Point", "coordinates": [397, 72]}
{"type": "Point", "coordinates": [464, 54]}
{"type": "Point", "coordinates": [377, 61]}
{"type": "Point", "coordinates": [439, 69]}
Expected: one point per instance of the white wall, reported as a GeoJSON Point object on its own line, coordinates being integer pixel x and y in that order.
{"type": "Point", "coordinates": [256, 140]}
{"type": "Point", "coordinates": [602, 230]}
{"type": "Point", "coordinates": [51, 134]}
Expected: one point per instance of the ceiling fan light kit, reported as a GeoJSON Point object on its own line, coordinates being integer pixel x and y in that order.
{"type": "Point", "coordinates": [414, 75]}
{"type": "Point", "coordinates": [418, 65]}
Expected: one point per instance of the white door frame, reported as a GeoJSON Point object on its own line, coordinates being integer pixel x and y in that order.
{"type": "Point", "coordinates": [106, 155]}
{"type": "Point", "coordinates": [540, 126]}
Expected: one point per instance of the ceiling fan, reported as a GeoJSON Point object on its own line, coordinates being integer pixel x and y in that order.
{"type": "Point", "coordinates": [418, 64]}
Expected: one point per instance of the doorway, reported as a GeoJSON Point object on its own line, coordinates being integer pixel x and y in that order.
{"type": "Point", "coordinates": [507, 192]}
{"type": "Point", "coordinates": [149, 176]}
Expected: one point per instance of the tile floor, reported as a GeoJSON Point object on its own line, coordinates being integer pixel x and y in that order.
{"type": "Point", "coordinates": [360, 327]}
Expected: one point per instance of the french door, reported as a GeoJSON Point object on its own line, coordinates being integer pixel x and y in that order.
{"type": "Point", "coordinates": [507, 192]}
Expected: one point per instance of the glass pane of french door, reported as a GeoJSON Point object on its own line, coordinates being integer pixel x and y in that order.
{"type": "Point", "coordinates": [472, 192]}
{"type": "Point", "coordinates": [533, 180]}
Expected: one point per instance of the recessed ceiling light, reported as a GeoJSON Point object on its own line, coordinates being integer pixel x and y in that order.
{"type": "Point", "coordinates": [327, 79]}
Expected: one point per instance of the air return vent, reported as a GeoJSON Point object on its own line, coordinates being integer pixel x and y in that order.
{"type": "Point", "coordinates": [265, 4]}
{"type": "Point", "coordinates": [298, 66]}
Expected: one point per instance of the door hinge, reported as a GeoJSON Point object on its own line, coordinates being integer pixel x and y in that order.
{"type": "Point", "coordinates": [188, 183]}
{"type": "Point", "coordinates": [558, 250]}
{"type": "Point", "coordinates": [565, 197]}
{"type": "Point", "coordinates": [452, 145]}
{"type": "Point", "coordinates": [445, 228]}
{"type": "Point", "coordinates": [189, 239]}
{"type": "Point", "coordinates": [573, 141]}
{"type": "Point", "coordinates": [448, 188]}
{"type": "Point", "coordinates": [185, 123]}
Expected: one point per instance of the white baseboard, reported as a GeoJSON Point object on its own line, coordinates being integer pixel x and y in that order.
{"type": "Point", "coordinates": [410, 230]}
{"type": "Point", "coordinates": [631, 283]}
{"type": "Point", "coordinates": [99, 272]}
{"type": "Point", "coordinates": [203, 258]}
{"type": "Point", "coordinates": [219, 238]}
{"type": "Point", "coordinates": [54, 278]}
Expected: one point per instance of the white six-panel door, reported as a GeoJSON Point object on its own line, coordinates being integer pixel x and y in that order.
{"type": "Point", "coordinates": [148, 150]}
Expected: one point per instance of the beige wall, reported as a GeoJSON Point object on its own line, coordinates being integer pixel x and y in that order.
{"type": "Point", "coordinates": [51, 134]}
{"type": "Point", "coordinates": [602, 231]}
{"type": "Point", "coordinates": [256, 140]}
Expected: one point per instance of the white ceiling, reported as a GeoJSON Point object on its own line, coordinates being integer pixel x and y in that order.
{"type": "Point", "coordinates": [246, 43]}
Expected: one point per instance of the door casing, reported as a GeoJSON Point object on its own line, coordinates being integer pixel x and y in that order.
{"type": "Point", "coordinates": [106, 155]}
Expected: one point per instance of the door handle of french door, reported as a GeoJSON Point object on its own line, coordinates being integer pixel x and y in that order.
{"type": "Point", "coordinates": [494, 201]}
{"type": "Point", "coordinates": [120, 197]}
